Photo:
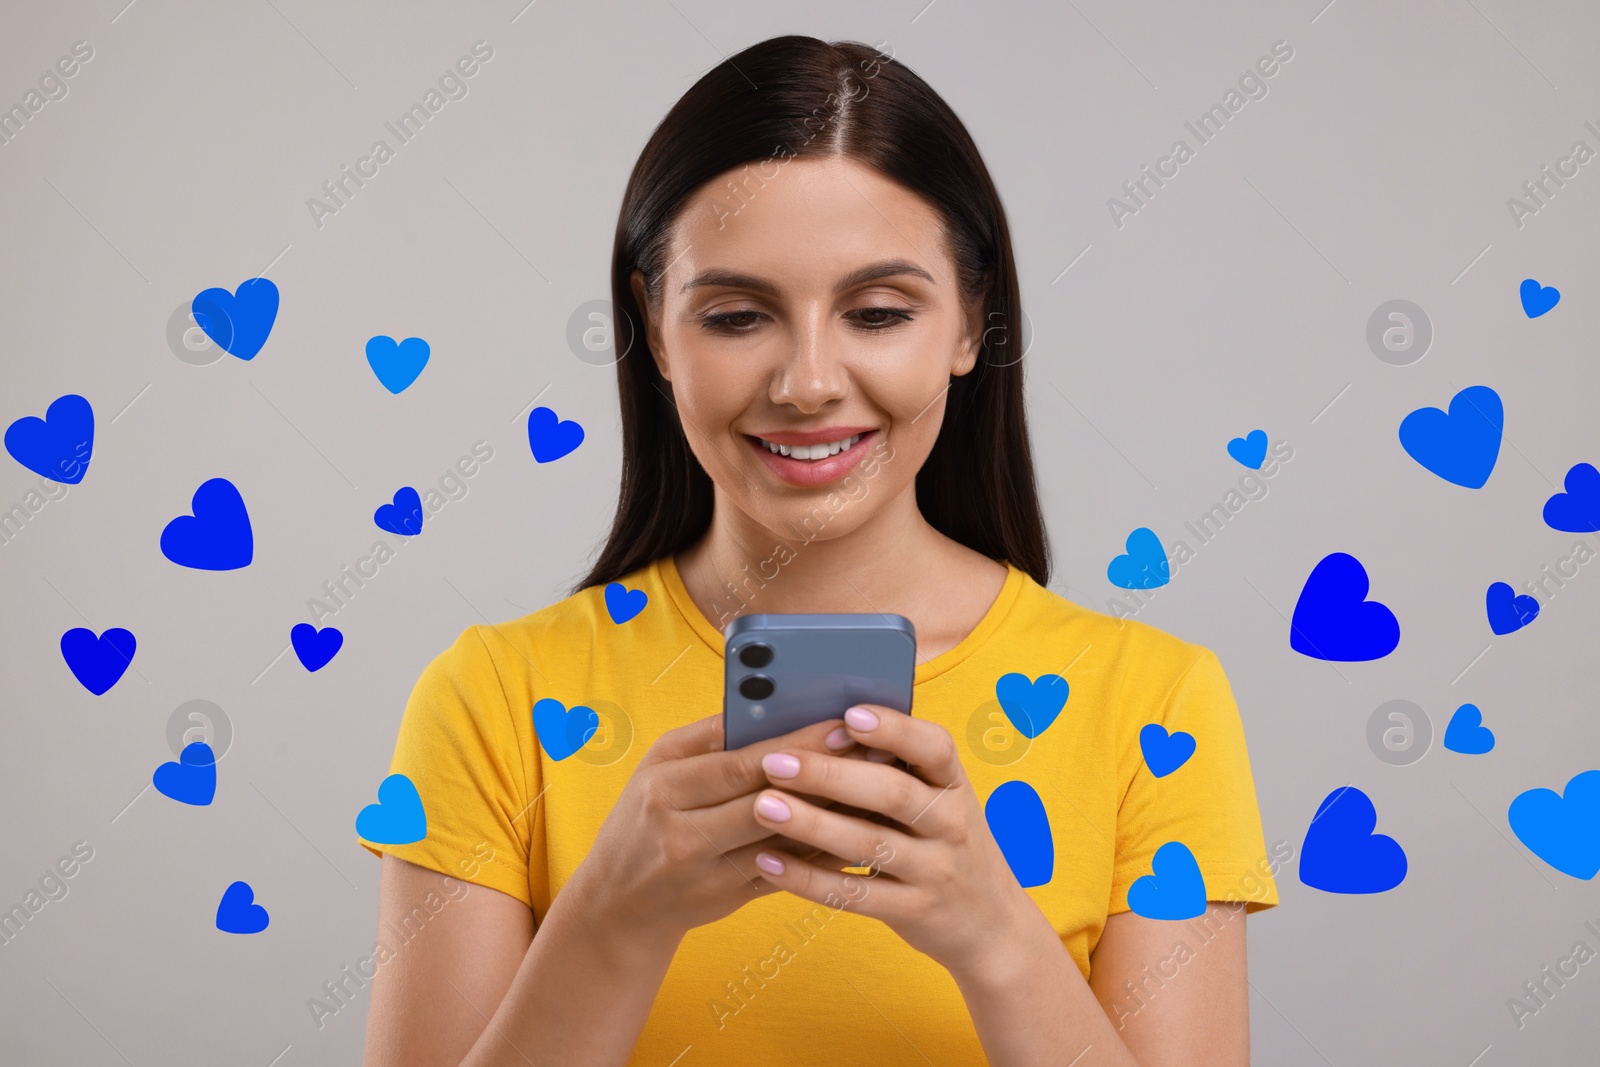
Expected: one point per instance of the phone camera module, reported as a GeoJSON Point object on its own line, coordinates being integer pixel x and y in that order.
{"type": "Point", "coordinates": [755, 655]}
{"type": "Point", "coordinates": [756, 687]}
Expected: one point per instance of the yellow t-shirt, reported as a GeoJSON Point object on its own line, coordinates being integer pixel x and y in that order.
{"type": "Point", "coordinates": [783, 980]}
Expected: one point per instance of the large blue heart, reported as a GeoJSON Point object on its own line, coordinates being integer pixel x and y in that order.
{"type": "Point", "coordinates": [1164, 752]}
{"type": "Point", "coordinates": [1341, 854]}
{"type": "Point", "coordinates": [562, 732]}
{"type": "Point", "coordinates": [98, 662]}
{"type": "Point", "coordinates": [550, 437]}
{"type": "Point", "coordinates": [397, 818]}
{"type": "Point", "coordinates": [1578, 509]}
{"type": "Point", "coordinates": [623, 603]}
{"type": "Point", "coordinates": [1021, 828]}
{"type": "Point", "coordinates": [57, 446]}
{"type": "Point", "coordinates": [1143, 566]}
{"type": "Point", "coordinates": [217, 536]}
{"type": "Point", "coordinates": [240, 321]}
{"type": "Point", "coordinates": [397, 365]}
{"type": "Point", "coordinates": [1507, 611]}
{"type": "Point", "coordinates": [1460, 446]}
{"type": "Point", "coordinates": [193, 779]}
{"type": "Point", "coordinates": [237, 914]}
{"type": "Point", "coordinates": [1466, 733]}
{"type": "Point", "coordinates": [315, 647]}
{"type": "Point", "coordinates": [404, 516]}
{"type": "Point", "coordinates": [1175, 889]}
{"type": "Point", "coordinates": [1563, 830]}
{"type": "Point", "coordinates": [1334, 620]}
{"type": "Point", "coordinates": [1536, 298]}
{"type": "Point", "coordinates": [1031, 705]}
{"type": "Point", "coordinates": [1251, 449]}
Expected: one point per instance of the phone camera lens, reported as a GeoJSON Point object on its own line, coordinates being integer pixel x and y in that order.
{"type": "Point", "coordinates": [756, 687]}
{"type": "Point", "coordinates": [755, 655]}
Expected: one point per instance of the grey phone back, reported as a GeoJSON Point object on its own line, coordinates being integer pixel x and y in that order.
{"type": "Point", "coordinates": [816, 666]}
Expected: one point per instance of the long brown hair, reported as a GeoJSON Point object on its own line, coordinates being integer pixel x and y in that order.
{"type": "Point", "coordinates": [792, 97]}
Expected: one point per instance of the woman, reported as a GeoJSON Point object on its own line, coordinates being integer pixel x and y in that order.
{"type": "Point", "coordinates": [816, 255]}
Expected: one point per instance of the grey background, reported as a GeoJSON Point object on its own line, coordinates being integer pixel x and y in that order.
{"type": "Point", "coordinates": [1377, 168]}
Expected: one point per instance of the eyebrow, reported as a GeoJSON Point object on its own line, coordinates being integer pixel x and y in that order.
{"type": "Point", "coordinates": [872, 272]}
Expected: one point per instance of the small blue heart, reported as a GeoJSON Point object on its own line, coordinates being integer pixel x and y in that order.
{"type": "Point", "coordinates": [1251, 449]}
{"type": "Point", "coordinates": [1508, 612]}
{"type": "Point", "coordinates": [237, 914]}
{"type": "Point", "coordinates": [57, 446]}
{"type": "Point", "coordinates": [216, 537]}
{"type": "Point", "coordinates": [1031, 705]}
{"type": "Point", "coordinates": [624, 603]}
{"type": "Point", "coordinates": [1537, 299]}
{"type": "Point", "coordinates": [1578, 509]}
{"type": "Point", "coordinates": [550, 437]}
{"type": "Point", "coordinates": [397, 818]}
{"type": "Point", "coordinates": [1174, 889]}
{"type": "Point", "coordinates": [397, 365]}
{"type": "Point", "coordinates": [1143, 566]}
{"type": "Point", "coordinates": [1164, 752]}
{"type": "Point", "coordinates": [240, 321]}
{"type": "Point", "coordinates": [562, 732]}
{"type": "Point", "coordinates": [1466, 733]}
{"type": "Point", "coordinates": [1021, 828]}
{"type": "Point", "coordinates": [98, 662]}
{"type": "Point", "coordinates": [1562, 829]}
{"type": "Point", "coordinates": [193, 779]}
{"type": "Point", "coordinates": [1334, 620]}
{"type": "Point", "coordinates": [404, 516]}
{"type": "Point", "coordinates": [1460, 446]}
{"type": "Point", "coordinates": [1341, 854]}
{"type": "Point", "coordinates": [315, 647]}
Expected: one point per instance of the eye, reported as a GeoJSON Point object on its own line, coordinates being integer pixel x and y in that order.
{"type": "Point", "coordinates": [871, 324]}
{"type": "Point", "coordinates": [724, 321]}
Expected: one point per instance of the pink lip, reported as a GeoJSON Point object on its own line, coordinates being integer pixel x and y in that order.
{"type": "Point", "coordinates": [811, 473]}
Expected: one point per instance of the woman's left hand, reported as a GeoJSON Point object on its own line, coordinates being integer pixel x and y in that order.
{"type": "Point", "coordinates": [949, 892]}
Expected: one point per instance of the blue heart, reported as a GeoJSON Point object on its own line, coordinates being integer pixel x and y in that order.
{"type": "Point", "coordinates": [1143, 566]}
{"type": "Point", "coordinates": [217, 536]}
{"type": "Point", "coordinates": [1031, 705]}
{"type": "Point", "coordinates": [624, 603]}
{"type": "Point", "coordinates": [562, 732]}
{"type": "Point", "coordinates": [550, 437]}
{"type": "Point", "coordinates": [315, 647]}
{"type": "Point", "coordinates": [1341, 854]}
{"type": "Point", "coordinates": [57, 446]}
{"type": "Point", "coordinates": [237, 914]}
{"type": "Point", "coordinates": [404, 516]}
{"type": "Point", "coordinates": [1536, 300]}
{"type": "Point", "coordinates": [1563, 830]}
{"type": "Point", "coordinates": [1462, 446]}
{"type": "Point", "coordinates": [1466, 733]}
{"type": "Point", "coordinates": [1175, 890]}
{"type": "Point", "coordinates": [1164, 752]}
{"type": "Point", "coordinates": [397, 818]}
{"type": "Point", "coordinates": [193, 779]}
{"type": "Point", "coordinates": [1508, 612]}
{"type": "Point", "coordinates": [1251, 449]}
{"type": "Point", "coordinates": [1021, 828]}
{"type": "Point", "coordinates": [1578, 509]}
{"type": "Point", "coordinates": [1334, 620]}
{"type": "Point", "coordinates": [240, 321]}
{"type": "Point", "coordinates": [397, 365]}
{"type": "Point", "coordinates": [98, 662]}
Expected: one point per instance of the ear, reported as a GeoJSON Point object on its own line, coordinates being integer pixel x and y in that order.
{"type": "Point", "coordinates": [652, 327]}
{"type": "Point", "coordinates": [972, 339]}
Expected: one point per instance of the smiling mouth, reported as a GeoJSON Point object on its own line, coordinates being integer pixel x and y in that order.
{"type": "Point", "coordinates": [809, 453]}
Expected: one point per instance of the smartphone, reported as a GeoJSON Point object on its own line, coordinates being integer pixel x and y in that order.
{"type": "Point", "coordinates": [788, 671]}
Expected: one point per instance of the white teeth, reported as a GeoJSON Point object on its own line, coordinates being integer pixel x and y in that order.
{"type": "Point", "coordinates": [811, 452]}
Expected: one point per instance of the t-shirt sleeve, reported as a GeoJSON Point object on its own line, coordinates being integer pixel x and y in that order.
{"type": "Point", "coordinates": [1208, 802]}
{"type": "Point", "coordinates": [460, 748]}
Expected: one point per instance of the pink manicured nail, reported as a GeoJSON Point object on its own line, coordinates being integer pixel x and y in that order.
{"type": "Point", "coordinates": [838, 739]}
{"type": "Point", "coordinates": [773, 808]}
{"type": "Point", "coordinates": [780, 764]}
{"type": "Point", "coordinates": [861, 719]}
{"type": "Point", "coordinates": [769, 863]}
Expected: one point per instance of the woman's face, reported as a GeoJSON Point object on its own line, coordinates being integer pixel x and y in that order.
{"type": "Point", "coordinates": [822, 308]}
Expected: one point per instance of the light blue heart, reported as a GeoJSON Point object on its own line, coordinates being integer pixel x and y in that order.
{"type": "Point", "coordinates": [397, 818]}
{"type": "Point", "coordinates": [397, 365]}
{"type": "Point", "coordinates": [1251, 449]}
{"type": "Point", "coordinates": [1466, 733]}
{"type": "Point", "coordinates": [1031, 705]}
{"type": "Point", "coordinates": [1143, 566]}
{"type": "Point", "coordinates": [562, 731]}
{"type": "Point", "coordinates": [1175, 889]}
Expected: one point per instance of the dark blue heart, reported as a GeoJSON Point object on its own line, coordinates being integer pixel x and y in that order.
{"type": "Point", "coordinates": [315, 647]}
{"type": "Point", "coordinates": [1578, 509]}
{"type": "Point", "coordinates": [57, 446]}
{"type": "Point", "coordinates": [623, 603]}
{"type": "Point", "coordinates": [98, 662]}
{"type": "Point", "coordinates": [193, 779]}
{"type": "Point", "coordinates": [550, 437]}
{"type": "Point", "coordinates": [217, 536]}
{"type": "Point", "coordinates": [404, 516]}
{"type": "Point", "coordinates": [1508, 612]}
{"type": "Point", "coordinates": [237, 914]}
{"type": "Point", "coordinates": [1460, 446]}
{"type": "Point", "coordinates": [1021, 828]}
{"type": "Point", "coordinates": [1536, 298]}
{"type": "Point", "coordinates": [1334, 620]}
{"type": "Point", "coordinates": [1341, 854]}
{"type": "Point", "coordinates": [240, 321]}
{"type": "Point", "coordinates": [1164, 752]}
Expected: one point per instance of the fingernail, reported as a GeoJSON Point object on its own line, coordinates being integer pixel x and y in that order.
{"type": "Point", "coordinates": [861, 719]}
{"type": "Point", "coordinates": [769, 863]}
{"type": "Point", "coordinates": [773, 808]}
{"type": "Point", "coordinates": [780, 764]}
{"type": "Point", "coordinates": [838, 739]}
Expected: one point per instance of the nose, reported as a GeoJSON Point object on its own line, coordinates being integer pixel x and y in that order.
{"type": "Point", "coordinates": [813, 372]}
